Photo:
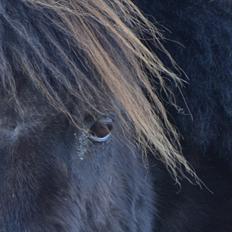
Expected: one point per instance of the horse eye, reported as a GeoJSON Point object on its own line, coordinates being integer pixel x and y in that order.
{"type": "Point", "coordinates": [100, 131]}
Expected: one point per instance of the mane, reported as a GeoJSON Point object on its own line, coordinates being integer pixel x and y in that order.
{"type": "Point", "coordinates": [69, 49]}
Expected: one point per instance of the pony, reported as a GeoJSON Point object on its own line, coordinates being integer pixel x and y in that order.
{"type": "Point", "coordinates": [91, 114]}
{"type": "Point", "coordinates": [78, 115]}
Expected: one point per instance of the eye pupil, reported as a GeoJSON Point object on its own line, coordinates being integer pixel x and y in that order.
{"type": "Point", "coordinates": [100, 130]}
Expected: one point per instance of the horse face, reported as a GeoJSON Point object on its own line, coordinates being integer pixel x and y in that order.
{"type": "Point", "coordinates": [66, 164]}
{"type": "Point", "coordinates": [57, 177]}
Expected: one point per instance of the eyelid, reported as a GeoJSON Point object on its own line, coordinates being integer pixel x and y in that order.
{"type": "Point", "coordinates": [100, 139]}
{"type": "Point", "coordinates": [106, 120]}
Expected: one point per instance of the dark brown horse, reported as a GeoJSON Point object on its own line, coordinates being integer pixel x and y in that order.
{"type": "Point", "coordinates": [75, 119]}
{"type": "Point", "coordinates": [83, 101]}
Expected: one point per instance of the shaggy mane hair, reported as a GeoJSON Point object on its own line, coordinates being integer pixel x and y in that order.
{"type": "Point", "coordinates": [69, 49]}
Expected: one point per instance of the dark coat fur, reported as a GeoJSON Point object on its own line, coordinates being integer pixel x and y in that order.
{"type": "Point", "coordinates": [199, 37]}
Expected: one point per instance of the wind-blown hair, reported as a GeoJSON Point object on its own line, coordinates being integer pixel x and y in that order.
{"type": "Point", "coordinates": [90, 51]}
